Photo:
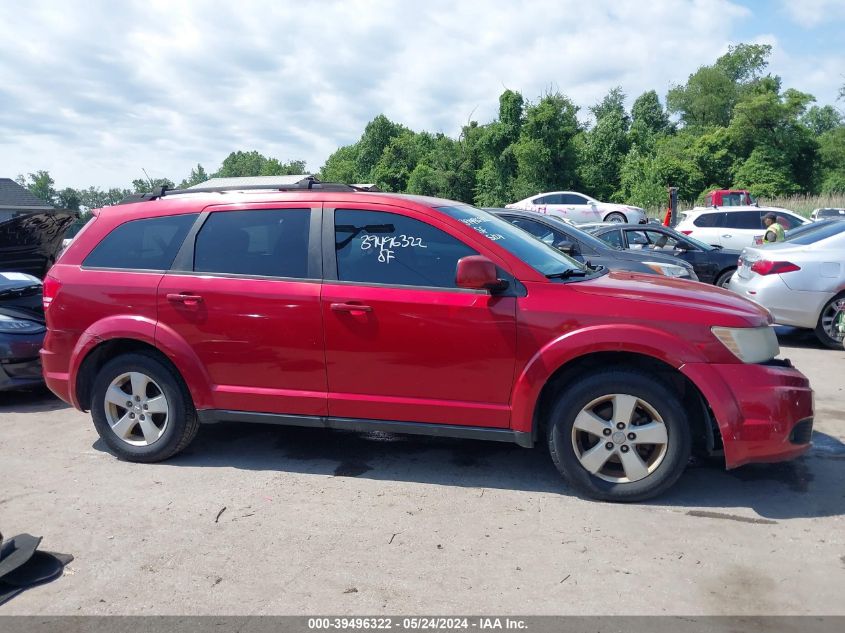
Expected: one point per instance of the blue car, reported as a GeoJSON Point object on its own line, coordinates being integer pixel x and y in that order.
{"type": "Point", "coordinates": [22, 331]}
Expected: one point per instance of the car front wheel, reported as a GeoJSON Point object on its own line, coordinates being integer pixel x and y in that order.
{"type": "Point", "coordinates": [619, 436]}
{"type": "Point", "coordinates": [615, 217]}
{"type": "Point", "coordinates": [141, 408]}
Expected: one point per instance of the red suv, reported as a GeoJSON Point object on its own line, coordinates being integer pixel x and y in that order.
{"type": "Point", "coordinates": [331, 307]}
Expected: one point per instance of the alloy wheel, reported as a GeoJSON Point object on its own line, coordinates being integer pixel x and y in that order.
{"type": "Point", "coordinates": [136, 409]}
{"type": "Point", "coordinates": [833, 320]}
{"type": "Point", "coordinates": [619, 438]}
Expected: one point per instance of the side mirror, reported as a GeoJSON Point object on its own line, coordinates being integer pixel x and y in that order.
{"type": "Point", "coordinates": [476, 272]}
{"type": "Point", "coordinates": [565, 246]}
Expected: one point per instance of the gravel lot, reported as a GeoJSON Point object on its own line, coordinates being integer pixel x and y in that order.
{"type": "Point", "coordinates": [264, 520]}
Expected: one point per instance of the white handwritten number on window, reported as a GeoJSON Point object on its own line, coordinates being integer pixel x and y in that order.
{"type": "Point", "coordinates": [387, 244]}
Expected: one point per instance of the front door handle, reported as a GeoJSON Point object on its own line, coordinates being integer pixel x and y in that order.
{"type": "Point", "coordinates": [188, 300]}
{"type": "Point", "coordinates": [727, 236]}
{"type": "Point", "coordinates": [350, 307]}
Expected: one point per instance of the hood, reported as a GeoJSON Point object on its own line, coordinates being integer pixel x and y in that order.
{"type": "Point", "coordinates": [726, 308]}
{"type": "Point", "coordinates": [31, 242]}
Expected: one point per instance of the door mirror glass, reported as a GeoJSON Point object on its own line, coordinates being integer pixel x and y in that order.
{"type": "Point", "coordinates": [476, 272]}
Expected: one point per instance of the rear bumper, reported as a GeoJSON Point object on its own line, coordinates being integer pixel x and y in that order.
{"type": "Point", "coordinates": [55, 362]}
{"type": "Point", "coordinates": [797, 308]}
{"type": "Point", "coordinates": [764, 412]}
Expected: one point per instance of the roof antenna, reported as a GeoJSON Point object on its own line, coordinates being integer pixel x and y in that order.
{"type": "Point", "coordinates": [148, 177]}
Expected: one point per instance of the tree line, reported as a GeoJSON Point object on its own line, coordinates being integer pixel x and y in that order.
{"type": "Point", "coordinates": [732, 124]}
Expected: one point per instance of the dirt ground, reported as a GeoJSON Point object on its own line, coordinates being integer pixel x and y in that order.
{"type": "Point", "coordinates": [255, 520]}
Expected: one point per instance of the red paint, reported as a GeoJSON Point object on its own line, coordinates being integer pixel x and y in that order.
{"type": "Point", "coordinates": [456, 356]}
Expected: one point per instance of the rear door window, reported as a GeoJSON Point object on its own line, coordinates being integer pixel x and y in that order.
{"type": "Point", "coordinates": [744, 220]}
{"type": "Point", "coordinates": [258, 242]}
{"type": "Point", "coordinates": [388, 248]}
{"type": "Point", "coordinates": [573, 198]}
{"type": "Point", "coordinates": [148, 244]}
{"type": "Point", "coordinates": [552, 198]}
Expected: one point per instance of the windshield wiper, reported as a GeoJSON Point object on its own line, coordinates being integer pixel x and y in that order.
{"type": "Point", "coordinates": [568, 274]}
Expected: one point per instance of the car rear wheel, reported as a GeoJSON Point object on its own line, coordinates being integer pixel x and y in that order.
{"type": "Point", "coordinates": [615, 217]}
{"type": "Point", "coordinates": [619, 436]}
{"type": "Point", "coordinates": [830, 329]}
{"type": "Point", "coordinates": [141, 408]}
{"type": "Point", "coordinates": [724, 280]}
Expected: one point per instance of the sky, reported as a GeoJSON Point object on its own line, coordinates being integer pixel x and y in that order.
{"type": "Point", "coordinates": [97, 92]}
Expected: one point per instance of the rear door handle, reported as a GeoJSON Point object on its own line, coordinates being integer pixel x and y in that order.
{"type": "Point", "coordinates": [350, 307]}
{"type": "Point", "coordinates": [727, 236]}
{"type": "Point", "coordinates": [188, 300]}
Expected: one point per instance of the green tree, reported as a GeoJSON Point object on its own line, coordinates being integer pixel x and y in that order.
{"type": "Point", "coordinates": [342, 166]}
{"type": "Point", "coordinates": [242, 164]}
{"type": "Point", "coordinates": [40, 184]}
{"type": "Point", "coordinates": [822, 119]}
{"type": "Point", "coordinates": [143, 185]}
{"type": "Point", "coordinates": [710, 94]}
{"type": "Point", "coordinates": [196, 177]}
{"type": "Point", "coordinates": [68, 198]}
{"type": "Point", "coordinates": [766, 174]}
{"type": "Point", "coordinates": [648, 121]}
{"type": "Point", "coordinates": [832, 158]}
{"type": "Point", "coordinates": [546, 156]}
{"type": "Point", "coordinates": [605, 146]}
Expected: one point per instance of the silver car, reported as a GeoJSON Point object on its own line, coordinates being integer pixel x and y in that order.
{"type": "Point", "coordinates": [801, 281]}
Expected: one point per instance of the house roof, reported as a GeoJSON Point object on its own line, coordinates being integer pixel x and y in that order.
{"type": "Point", "coordinates": [269, 181]}
{"type": "Point", "coordinates": [15, 197]}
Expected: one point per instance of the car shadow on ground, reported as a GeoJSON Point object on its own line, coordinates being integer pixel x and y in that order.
{"type": "Point", "coordinates": [808, 487]}
{"type": "Point", "coordinates": [35, 400]}
{"type": "Point", "coordinates": [797, 337]}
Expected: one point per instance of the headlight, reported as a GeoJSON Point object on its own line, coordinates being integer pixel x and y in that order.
{"type": "Point", "coordinates": [670, 270]}
{"type": "Point", "coordinates": [12, 325]}
{"type": "Point", "coordinates": [749, 344]}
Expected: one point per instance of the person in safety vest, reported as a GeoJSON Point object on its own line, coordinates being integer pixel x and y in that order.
{"type": "Point", "coordinates": [774, 231]}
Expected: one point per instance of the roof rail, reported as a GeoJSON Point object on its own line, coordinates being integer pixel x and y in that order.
{"type": "Point", "coordinates": [307, 184]}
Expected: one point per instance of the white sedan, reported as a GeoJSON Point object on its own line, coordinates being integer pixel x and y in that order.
{"type": "Point", "coordinates": [800, 281]}
{"type": "Point", "coordinates": [580, 208]}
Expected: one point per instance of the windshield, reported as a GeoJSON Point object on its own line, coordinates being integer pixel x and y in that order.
{"type": "Point", "coordinates": [541, 257]}
{"type": "Point", "coordinates": [821, 233]}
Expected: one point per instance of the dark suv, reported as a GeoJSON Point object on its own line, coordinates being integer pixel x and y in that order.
{"type": "Point", "coordinates": [328, 307]}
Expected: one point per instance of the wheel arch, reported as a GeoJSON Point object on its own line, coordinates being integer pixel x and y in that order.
{"type": "Point", "coordinates": [704, 428]}
{"type": "Point", "coordinates": [107, 340]}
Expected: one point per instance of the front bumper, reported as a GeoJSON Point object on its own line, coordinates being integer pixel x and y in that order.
{"type": "Point", "coordinates": [20, 365]}
{"type": "Point", "coordinates": [764, 411]}
{"type": "Point", "coordinates": [797, 308]}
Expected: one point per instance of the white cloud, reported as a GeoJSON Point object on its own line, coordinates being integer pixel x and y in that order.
{"type": "Point", "coordinates": [812, 13]}
{"type": "Point", "coordinates": [96, 91]}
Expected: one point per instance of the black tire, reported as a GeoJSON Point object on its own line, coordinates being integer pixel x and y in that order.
{"type": "Point", "coordinates": [616, 216]}
{"type": "Point", "coordinates": [821, 333]}
{"type": "Point", "coordinates": [182, 422]}
{"type": "Point", "coordinates": [646, 387]}
{"type": "Point", "coordinates": [724, 278]}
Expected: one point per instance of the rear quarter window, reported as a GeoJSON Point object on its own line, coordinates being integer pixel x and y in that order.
{"type": "Point", "coordinates": [147, 244]}
{"type": "Point", "coordinates": [710, 219]}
